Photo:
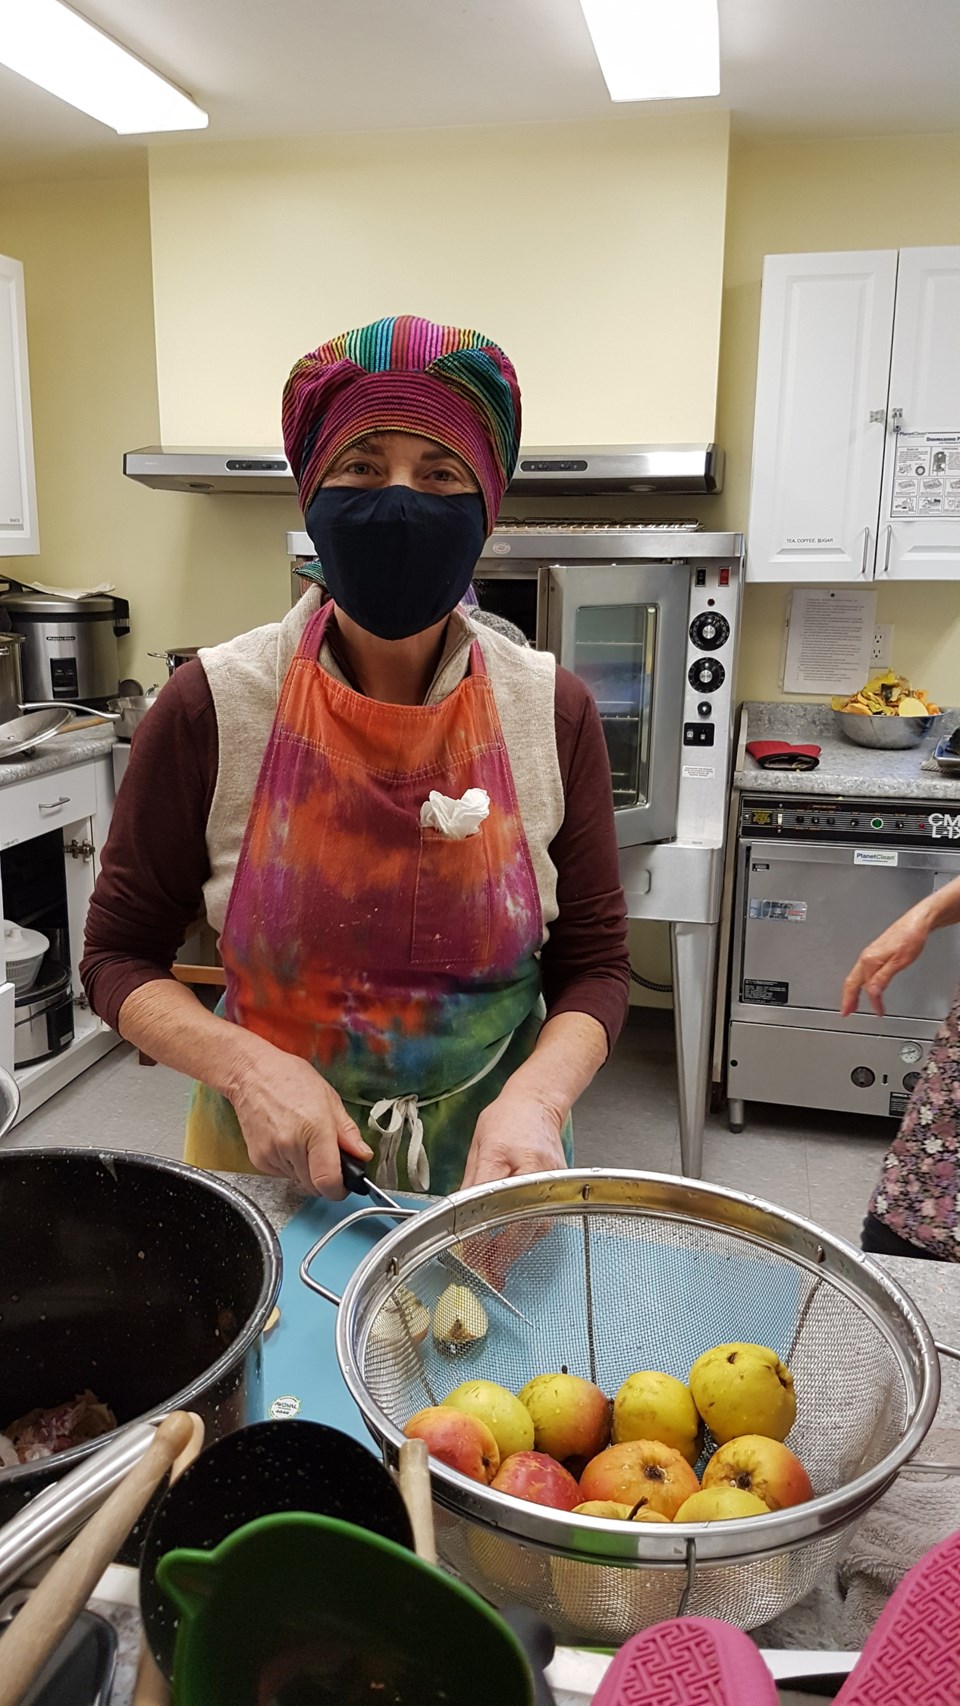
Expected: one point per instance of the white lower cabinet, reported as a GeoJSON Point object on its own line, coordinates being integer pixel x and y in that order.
{"type": "Point", "coordinates": [62, 818]}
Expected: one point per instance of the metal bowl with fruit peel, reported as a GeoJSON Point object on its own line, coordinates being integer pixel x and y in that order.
{"type": "Point", "coordinates": [622, 1271]}
{"type": "Point", "coordinates": [889, 734]}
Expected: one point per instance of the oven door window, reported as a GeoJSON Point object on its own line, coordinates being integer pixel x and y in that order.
{"type": "Point", "coordinates": [614, 647]}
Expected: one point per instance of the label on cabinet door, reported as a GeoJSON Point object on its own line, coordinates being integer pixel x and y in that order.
{"type": "Point", "coordinates": [780, 911]}
{"type": "Point", "coordinates": [926, 481]}
{"type": "Point", "coordinates": [766, 991]}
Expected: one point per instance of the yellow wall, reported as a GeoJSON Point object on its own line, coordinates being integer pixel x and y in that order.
{"type": "Point", "coordinates": [195, 571]}
{"type": "Point", "coordinates": [593, 253]}
{"type": "Point", "coordinates": [871, 193]}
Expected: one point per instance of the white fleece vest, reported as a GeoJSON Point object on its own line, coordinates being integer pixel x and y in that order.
{"type": "Point", "coordinates": [245, 677]}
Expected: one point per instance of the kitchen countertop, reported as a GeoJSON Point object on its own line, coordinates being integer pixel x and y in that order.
{"type": "Point", "coordinates": [59, 753]}
{"type": "Point", "coordinates": [844, 768]}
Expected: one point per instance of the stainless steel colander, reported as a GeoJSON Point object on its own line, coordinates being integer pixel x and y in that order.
{"type": "Point", "coordinates": [620, 1271]}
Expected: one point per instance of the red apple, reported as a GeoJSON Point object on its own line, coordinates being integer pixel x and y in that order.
{"type": "Point", "coordinates": [571, 1417]}
{"type": "Point", "coordinates": [461, 1442]}
{"type": "Point", "coordinates": [535, 1476]}
{"type": "Point", "coordinates": [763, 1466]}
{"type": "Point", "coordinates": [640, 1470]}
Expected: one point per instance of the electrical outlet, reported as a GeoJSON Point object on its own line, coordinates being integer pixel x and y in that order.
{"type": "Point", "coordinates": [882, 654]}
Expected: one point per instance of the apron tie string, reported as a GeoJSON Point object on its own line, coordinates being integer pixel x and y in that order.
{"type": "Point", "coordinates": [401, 1111]}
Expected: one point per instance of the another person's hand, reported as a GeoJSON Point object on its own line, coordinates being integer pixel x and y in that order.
{"type": "Point", "coordinates": [898, 947]}
{"type": "Point", "coordinates": [517, 1133]}
{"type": "Point", "coordinates": [294, 1123]}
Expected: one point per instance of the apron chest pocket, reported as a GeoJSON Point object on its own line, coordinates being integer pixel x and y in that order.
{"type": "Point", "coordinates": [452, 901]}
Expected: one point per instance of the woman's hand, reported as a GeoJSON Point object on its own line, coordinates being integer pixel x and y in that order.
{"type": "Point", "coordinates": [517, 1133]}
{"type": "Point", "coordinates": [294, 1124]}
{"type": "Point", "coordinates": [896, 948]}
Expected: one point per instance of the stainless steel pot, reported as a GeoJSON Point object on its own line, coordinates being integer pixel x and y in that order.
{"type": "Point", "coordinates": [11, 676]}
{"type": "Point", "coordinates": [173, 658]}
{"type": "Point", "coordinates": [43, 1016]}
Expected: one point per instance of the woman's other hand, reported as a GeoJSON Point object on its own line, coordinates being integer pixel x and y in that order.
{"type": "Point", "coordinates": [517, 1133]}
{"type": "Point", "coordinates": [898, 947]}
{"type": "Point", "coordinates": [294, 1124]}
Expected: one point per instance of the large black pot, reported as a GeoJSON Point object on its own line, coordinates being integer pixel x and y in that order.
{"type": "Point", "coordinates": [145, 1280]}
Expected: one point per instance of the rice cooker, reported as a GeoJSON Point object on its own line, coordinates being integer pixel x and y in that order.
{"type": "Point", "coordinates": [43, 1016]}
{"type": "Point", "coordinates": [69, 645]}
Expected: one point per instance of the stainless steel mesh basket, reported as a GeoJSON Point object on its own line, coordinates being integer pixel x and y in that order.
{"type": "Point", "coordinates": [619, 1271]}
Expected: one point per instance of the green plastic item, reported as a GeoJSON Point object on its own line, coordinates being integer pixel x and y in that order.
{"type": "Point", "coordinates": [296, 1609]}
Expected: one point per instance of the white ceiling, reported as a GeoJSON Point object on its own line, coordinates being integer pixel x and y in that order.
{"type": "Point", "coordinates": [284, 68]}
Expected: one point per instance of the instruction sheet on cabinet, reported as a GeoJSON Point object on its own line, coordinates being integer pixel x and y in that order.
{"type": "Point", "coordinates": [926, 478]}
{"type": "Point", "coordinates": [829, 639]}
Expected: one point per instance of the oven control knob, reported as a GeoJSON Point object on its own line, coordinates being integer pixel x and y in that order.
{"type": "Point", "coordinates": [709, 631]}
{"type": "Point", "coordinates": [706, 675]}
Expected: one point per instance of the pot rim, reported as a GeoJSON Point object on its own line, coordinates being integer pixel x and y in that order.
{"type": "Point", "coordinates": [183, 1400]}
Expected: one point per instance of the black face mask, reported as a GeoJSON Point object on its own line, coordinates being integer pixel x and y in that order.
{"type": "Point", "coordinates": [395, 560]}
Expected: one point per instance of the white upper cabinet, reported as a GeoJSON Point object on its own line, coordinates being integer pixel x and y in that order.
{"type": "Point", "coordinates": [920, 537]}
{"type": "Point", "coordinates": [846, 341]}
{"type": "Point", "coordinates": [19, 534]}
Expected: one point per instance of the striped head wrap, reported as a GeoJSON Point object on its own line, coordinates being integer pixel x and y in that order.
{"type": "Point", "coordinates": [405, 375]}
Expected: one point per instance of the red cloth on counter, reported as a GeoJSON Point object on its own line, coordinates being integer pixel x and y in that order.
{"type": "Point", "coordinates": [781, 755]}
{"type": "Point", "coordinates": [154, 865]}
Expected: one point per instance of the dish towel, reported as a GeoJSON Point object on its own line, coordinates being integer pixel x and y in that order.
{"type": "Point", "coordinates": [913, 1515]}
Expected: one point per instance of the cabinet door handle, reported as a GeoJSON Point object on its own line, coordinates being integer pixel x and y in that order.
{"type": "Point", "coordinates": [54, 805]}
{"type": "Point", "coordinates": [877, 417]}
{"type": "Point", "coordinates": [865, 553]}
{"type": "Point", "coordinates": [887, 537]}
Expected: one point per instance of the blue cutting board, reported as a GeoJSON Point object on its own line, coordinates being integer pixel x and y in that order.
{"type": "Point", "coordinates": [708, 1298]}
{"type": "Point", "coordinates": [300, 1356]}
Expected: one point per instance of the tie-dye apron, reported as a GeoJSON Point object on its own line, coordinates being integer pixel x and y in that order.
{"type": "Point", "coordinates": [400, 962]}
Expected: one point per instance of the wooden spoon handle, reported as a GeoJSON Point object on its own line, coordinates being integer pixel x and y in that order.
{"type": "Point", "coordinates": [151, 1686]}
{"type": "Point", "coordinates": [37, 1630]}
{"type": "Point", "coordinates": [415, 1488]}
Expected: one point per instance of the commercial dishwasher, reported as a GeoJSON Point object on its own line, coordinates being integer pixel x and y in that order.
{"type": "Point", "coordinates": [817, 879]}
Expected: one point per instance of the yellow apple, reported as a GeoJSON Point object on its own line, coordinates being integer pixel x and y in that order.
{"type": "Point", "coordinates": [610, 1508]}
{"type": "Point", "coordinates": [640, 1470]}
{"type": "Point", "coordinates": [743, 1389]}
{"type": "Point", "coordinates": [571, 1417]}
{"type": "Point", "coordinates": [720, 1504]}
{"type": "Point", "coordinates": [508, 1420]}
{"type": "Point", "coordinates": [656, 1406]}
{"type": "Point", "coordinates": [763, 1466]}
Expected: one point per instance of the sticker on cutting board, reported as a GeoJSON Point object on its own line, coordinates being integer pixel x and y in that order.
{"type": "Point", "coordinates": [876, 856]}
{"type": "Point", "coordinates": [283, 1408]}
{"type": "Point", "coordinates": [766, 992]}
{"type": "Point", "coordinates": [780, 911]}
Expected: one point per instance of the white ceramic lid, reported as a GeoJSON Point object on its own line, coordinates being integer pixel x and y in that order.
{"type": "Point", "coordinates": [20, 944]}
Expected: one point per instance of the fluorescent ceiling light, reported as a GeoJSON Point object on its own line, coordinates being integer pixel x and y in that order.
{"type": "Point", "coordinates": [54, 47]}
{"type": "Point", "coordinates": [656, 50]}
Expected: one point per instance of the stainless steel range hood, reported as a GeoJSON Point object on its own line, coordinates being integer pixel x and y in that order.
{"type": "Point", "coordinates": [573, 469]}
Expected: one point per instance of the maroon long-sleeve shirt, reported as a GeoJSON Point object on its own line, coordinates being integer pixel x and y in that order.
{"type": "Point", "coordinates": [155, 863]}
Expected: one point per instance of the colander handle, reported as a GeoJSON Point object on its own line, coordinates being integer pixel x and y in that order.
{"type": "Point", "coordinates": [328, 1237]}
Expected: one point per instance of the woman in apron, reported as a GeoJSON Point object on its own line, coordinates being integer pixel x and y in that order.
{"type": "Point", "coordinates": [399, 821]}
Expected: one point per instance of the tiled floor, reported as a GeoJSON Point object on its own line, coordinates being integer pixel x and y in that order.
{"type": "Point", "coordinates": [820, 1165]}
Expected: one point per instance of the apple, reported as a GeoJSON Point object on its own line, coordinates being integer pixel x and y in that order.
{"type": "Point", "coordinates": [646, 1514]}
{"type": "Point", "coordinates": [534, 1476]}
{"type": "Point", "coordinates": [508, 1420]}
{"type": "Point", "coordinates": [571, 1417]}
{"type": "Point", "coordinates": [461, 1442]}
{"type": "Point", "coordinates": [610, 1508]}
{"type": "Point", "coordinates": [757, 1464]}
{"type": "Point", "coordinates": [656, 1406]}
{"type": "Point", "coordinates": [743, 1389]}
{"type": "Point", "coordinates": [640, 1470]}
{"type": "Point", "coordinates": [720, 1504]}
